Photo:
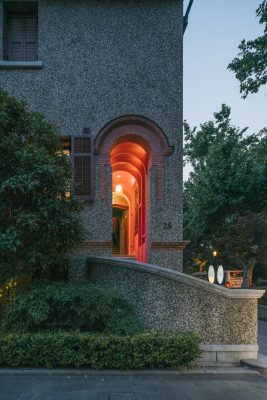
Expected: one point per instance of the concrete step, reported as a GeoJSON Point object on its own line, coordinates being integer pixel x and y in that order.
{"type": "Point", "coordinates": [221, 369]}
{"type": "Point", "coordinates": [260, 364]}
{"type": "Point", "coordinates": [124, 257]}
{"type": "Point", "coordinates": [115, 250]}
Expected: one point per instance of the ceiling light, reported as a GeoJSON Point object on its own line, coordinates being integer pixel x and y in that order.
{"type": "Point", "coordinates": [118, 188]}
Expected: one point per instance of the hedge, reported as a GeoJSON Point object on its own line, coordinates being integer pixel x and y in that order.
{"type": "Point", "coordinates": [150, 349]}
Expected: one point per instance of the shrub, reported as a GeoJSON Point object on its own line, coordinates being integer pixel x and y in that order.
{"type": "Point", "coordinates": [85, 307]}
{"type": "Point", "coordinates": [39, 223]}
{"type": "Point", "coordinates": [150, 349]}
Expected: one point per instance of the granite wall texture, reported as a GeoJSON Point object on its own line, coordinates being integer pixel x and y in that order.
{"type": "Point", "coordinates": [101, 60]}
{"type": "Point", "coordinates": [169, 300]}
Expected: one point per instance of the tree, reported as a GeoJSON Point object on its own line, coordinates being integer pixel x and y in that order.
{"type": "Point", "coordinates": [250, 66]}
{"type": "Point", "coordinates": [39, 222]}
{"type": "Point", "coordinates": [244, 243]}
{"type": "Point", "coordinates": [229, 181]}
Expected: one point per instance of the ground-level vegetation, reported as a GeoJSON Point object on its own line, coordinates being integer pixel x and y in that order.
{"type": "Point", "coordinates": [45, 320]}
{"type": "Point", "coordinates": [64, 325]}
{"type": "Point", "coordinates": [150, 349]}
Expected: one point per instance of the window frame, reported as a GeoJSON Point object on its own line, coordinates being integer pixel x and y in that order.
{"type": "Point", "coordinates": [27, 9]}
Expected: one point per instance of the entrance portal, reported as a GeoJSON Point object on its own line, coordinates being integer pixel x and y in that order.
{"type": "Point", "coordinates": [129, 162]}
{"type": "Point", "coordinates": [132, 145]}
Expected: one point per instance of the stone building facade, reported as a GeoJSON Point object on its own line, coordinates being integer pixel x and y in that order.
{"type": "Point", "coordinates": [108, 74]}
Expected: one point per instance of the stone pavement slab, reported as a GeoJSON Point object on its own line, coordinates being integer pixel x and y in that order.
{"type": "Point", "coordinates": [132, 386]}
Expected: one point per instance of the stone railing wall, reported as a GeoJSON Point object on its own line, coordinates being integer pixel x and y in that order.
{"type": "Point", "coordinates": [226, 319]}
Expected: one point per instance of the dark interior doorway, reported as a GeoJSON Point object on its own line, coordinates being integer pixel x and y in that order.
{"type": "Point", "coordinates": [119, 231]}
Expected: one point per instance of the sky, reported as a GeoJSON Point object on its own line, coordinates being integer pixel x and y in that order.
{"type": "Point", "coordinates": [214, 31]}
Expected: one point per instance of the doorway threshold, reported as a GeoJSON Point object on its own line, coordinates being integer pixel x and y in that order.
{"type": "Point", "coordinates": [124, 257]}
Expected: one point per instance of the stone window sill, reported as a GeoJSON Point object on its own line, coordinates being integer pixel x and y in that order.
{"type": "Point", "coordinates": [21, 64]}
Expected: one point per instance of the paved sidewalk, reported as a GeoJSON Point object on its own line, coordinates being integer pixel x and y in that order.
{"type": "Point", "coordinates": [132, 387]}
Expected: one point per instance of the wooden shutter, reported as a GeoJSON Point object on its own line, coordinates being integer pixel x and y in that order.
{"type": "Point", "coordinates": [82, 155]}
{"type": "Point", "coordinates": [22, 38]}
{"type": "Point", "coordinates": [30, 39]}
{"type": "Point", "coordinates": [16, 38]}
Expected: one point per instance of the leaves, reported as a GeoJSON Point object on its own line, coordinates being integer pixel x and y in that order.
{"type": "Point", "coordinates": [250, 65]}
{"type": "Point", "coordinates": [38, 223]}
{"type": "Point", "coordinates": [150, 349]}
{"type": "Point", "coordinates": [84, 307]}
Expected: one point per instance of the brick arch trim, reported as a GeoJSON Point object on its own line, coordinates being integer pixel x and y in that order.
{"type": "Point", "coordinates": [134, 128]}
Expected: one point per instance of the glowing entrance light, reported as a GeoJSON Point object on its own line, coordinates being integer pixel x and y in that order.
{"type": "Point", "coordinates": [118, 188]}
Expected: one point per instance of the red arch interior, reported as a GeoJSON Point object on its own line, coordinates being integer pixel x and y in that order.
{"type": "Point", "coordinates": [129, 163]}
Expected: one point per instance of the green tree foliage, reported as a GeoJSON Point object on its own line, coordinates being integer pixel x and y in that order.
{"type": "Point", "coordinates": [229, 181]}
{"type": "Point", "coordinates": [84, 307]}
{"type": "Point", "coordinates": [244, 243]}
{"type": "Point", "coordinates": [38, 222]}
{"type": "Point", "coordinates": [250, 66]}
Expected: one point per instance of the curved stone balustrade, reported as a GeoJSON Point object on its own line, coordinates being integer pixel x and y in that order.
{"type": "Point", "coordinates": [226, 319]}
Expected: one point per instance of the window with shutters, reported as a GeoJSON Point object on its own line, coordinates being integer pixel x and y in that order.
{"type": "Point", "coordinates": [21, 29]}
{"type": "Point", "coordinates": [82, 154]}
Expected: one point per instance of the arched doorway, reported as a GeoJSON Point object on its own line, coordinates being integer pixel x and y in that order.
{"type": "Point", "coordinates": [132, 146]}
{"type": "Point", "coordinates": [129, 162]}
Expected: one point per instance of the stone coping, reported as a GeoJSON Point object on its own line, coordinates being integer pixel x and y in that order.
{"type": "Point", "coordinates": [229, 347]}
{"type": "Point", "coordinates": [178, 276]}
{"type": "Point", "coordinates": [21, 64]}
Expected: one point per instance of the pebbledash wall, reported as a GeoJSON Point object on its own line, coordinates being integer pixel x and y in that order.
{"type": "Point", "coordinates": [99, 61]}
{"type": "Point", "coordinates": [225, 319]}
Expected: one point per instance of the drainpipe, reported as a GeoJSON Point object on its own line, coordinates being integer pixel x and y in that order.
{"type": "Point", "coordinates": [185, 19]}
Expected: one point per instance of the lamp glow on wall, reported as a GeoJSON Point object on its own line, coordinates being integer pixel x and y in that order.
{"type": "Point", "coordinates": [118, 188]}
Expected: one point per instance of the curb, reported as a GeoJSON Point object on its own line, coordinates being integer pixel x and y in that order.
{"type": "Point", "coordinates": [220, 370]}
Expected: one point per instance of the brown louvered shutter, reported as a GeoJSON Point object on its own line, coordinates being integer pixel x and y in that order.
{"type": "Point", "coordinates": [82, 154]}
{"type": "Point", "coordinates": [30, 38]}
{"type": "Point", "coordinates": [22, 38]}
{"type": "Point", "coordinates": [16, 38]}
